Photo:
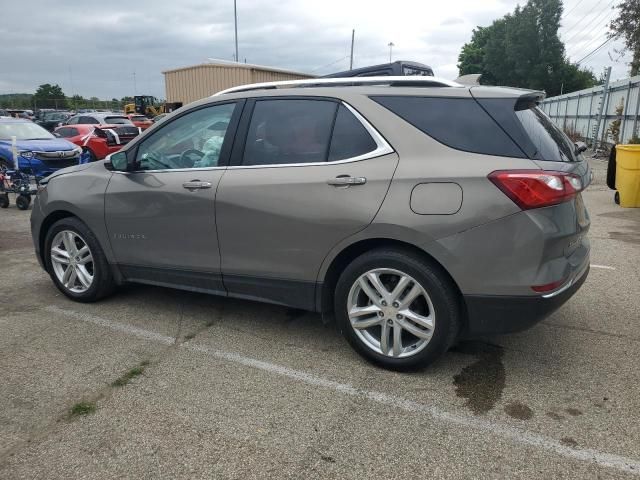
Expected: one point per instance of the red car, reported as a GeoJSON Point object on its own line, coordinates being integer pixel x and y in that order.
{"type": "Point", "coordinates": [98, 140]}
{"type": "Point", "coordinates": [140, 121]}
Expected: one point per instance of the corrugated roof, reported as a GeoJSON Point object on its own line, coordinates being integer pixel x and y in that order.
{"type": "Point", "coordinates": [227, 64]}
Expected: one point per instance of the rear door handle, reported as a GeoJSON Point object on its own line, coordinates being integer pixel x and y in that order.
{"type": "Point", "coordinates": [346, 181]}
{"type": "Point", "coordinates": [196, 185]}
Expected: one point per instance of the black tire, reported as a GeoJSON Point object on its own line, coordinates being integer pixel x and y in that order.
{"type": "Point", "coordinates": [23, 202]}
{"type": "Point", "coordinates": [611, 169]}
{"type": "Point", "coordinates": [616, 198]}
{"type": "Point", "coordinates": [103, 283]}
{"type": "Point", "coordinates": [443, 294]}
{"type": "Point", "coordinates": [4, 200]}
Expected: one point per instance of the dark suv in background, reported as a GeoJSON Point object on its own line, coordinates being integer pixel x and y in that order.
{"type": "Point", "coordinates": [417, 211]}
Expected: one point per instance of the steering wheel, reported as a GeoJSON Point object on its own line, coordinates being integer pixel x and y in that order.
{"type": "Point", "coordinates": [188, 161]}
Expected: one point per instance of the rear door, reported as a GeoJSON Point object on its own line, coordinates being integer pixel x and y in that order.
{"type": "Point", "coordinates": [161, 218]}
{"type": "Point", "coordinates": [306, 173]}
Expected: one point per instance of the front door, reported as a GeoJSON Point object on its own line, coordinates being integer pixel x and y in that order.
{"type": "Point", "coordinates": [161, 217]}
{"type": "Point", "coordinates": [311, 173]}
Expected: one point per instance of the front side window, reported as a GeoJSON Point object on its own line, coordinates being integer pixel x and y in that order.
{"type": "Point", "coordinates": [88, 121]}
{"type": "Point", "coordinates": [73, 120]}
{"type": "Point", "coordinates": [193, 140]}
{"type": "Point", "coordinates": [289, 131]}
{"type": "Point", "coordinates": [64, 132]}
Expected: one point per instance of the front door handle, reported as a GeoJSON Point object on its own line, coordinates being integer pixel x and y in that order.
{"type": "Point", "coordinates": [196, 185]}
{"type": "Point", "coordinates": [346, 181]}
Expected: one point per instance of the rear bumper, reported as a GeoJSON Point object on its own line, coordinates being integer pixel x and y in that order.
{"type": "Point", "coordinates": [490, 315]}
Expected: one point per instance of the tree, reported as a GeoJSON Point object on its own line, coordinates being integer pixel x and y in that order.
{"type": "Point", "coordinates": [627, 26]}
{"type": "Point", "coordinates": [523, 49]}
{"type": "Point", "coordinates": [50, 96]}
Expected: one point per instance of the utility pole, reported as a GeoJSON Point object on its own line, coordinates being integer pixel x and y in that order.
{"type": "Point", "coordinates": [235, 21]}
{"type": "Point", "coordinates": [601, 107]}
{"type": "Point", "coordinates": [391, 45]}
{"type": "Point", "coordinates": [353, 35]}
{"type": "Point", "coordinates": [135, 87]}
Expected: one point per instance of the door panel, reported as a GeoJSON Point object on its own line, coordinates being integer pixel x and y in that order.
{"type": "Point", "coordinates": [280, 222]}
{"type": "Point", "coordinates": [161, 218]}
{"type": "Point", "coordinates": [154, 221]}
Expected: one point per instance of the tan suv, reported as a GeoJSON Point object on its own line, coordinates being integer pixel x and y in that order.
{"type": "Point", "coordinates": [415, 210]}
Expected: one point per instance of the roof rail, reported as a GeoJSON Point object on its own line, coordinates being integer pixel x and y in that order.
{"type": "Point", "coordinates": [390, 81]}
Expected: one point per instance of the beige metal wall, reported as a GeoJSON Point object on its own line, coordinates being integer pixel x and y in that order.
{"type": "Point", "coordinates": [194, 83]}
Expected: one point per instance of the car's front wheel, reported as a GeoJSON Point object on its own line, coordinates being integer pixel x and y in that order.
{"type": "Point", "coordinates": [397, 309]}
{"type": "Point", "coordinates": [75, 261]}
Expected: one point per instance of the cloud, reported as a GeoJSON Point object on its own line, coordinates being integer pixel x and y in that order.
{"type": "Point", "coordinates": [95, 49]}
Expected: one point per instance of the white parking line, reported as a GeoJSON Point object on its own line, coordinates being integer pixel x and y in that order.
{"type": "Point", "coordinates": [517, 435]}
{"type": "Point", "coordinates": [605, 267]}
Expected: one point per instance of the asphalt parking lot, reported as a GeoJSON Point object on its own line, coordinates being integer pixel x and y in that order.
{"type": "Point", "coordinates": [155, 383]}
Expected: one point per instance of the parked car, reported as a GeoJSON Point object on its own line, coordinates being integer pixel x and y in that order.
{"type": "Point", "coordinates": [417, 214]}
{"type": "Point", "coordinates": [39, 152]}
{"type": "Point", "coordinates": [400, 67]}
{"type": "Point", "coordinates": [99, 118]}
{"type": "Point", "coordinates": [98, 141]}
{"type": "Point", "coordinates": [157, 118]}
{"type": "Point", "coordinates": [140, 121]}
{"type": "Point", "coordinates": [51, 120]}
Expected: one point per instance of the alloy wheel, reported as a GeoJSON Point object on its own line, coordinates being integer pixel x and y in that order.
{"type": "Point", "coordinates": [391, 313]}
{"type": "Point", "coordinates": [72, 261]}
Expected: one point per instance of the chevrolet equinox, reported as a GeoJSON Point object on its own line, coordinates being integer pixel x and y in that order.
{"type": "Point", "coordinates": [416, 211]}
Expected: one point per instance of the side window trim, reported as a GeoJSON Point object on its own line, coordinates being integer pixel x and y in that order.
{"type": "Point", "coordinates": [225, 153]}
{"type": "Point", "coordinates": [382, 146]}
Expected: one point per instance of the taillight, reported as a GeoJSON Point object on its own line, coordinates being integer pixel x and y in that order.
{"type": "Point", "coordinates": [536, 188]}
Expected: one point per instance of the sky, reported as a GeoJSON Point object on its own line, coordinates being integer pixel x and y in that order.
{"type": "Point", "coordinates": [119, 48]}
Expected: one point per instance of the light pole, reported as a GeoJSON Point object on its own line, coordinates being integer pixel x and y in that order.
{"type": "Point", "coordinates": [391, 45]}
{"type": "Point", "coordinates": [235, 22]}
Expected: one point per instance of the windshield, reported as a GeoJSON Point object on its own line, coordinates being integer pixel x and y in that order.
{"type": "Point", "coordinates": [550, 142]}
{"type": "Point", "coordinates": [117, 121]}
{"type": "Point", "coordinates": [55, 116]}
{"type": "Point", "coordinates": [23, 131]}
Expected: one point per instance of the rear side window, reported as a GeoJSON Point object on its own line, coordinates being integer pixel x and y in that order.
{"type": "Point", "coordinates": [289, 131]}
{"type": "Point", "coordinates": [350, 138]}
{"type": "Point", "coordinates": [548, 140]}
{"type": "Point", "coordinates": [459, 123]}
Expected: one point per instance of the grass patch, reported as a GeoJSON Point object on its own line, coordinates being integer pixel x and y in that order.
{"type": "Point", "coordinates": [82, 408]}
{"type": "Point", "coordinates": [130, 375]}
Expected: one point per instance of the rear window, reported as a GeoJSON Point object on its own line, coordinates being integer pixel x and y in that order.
{"type": "Point", "coordinates": [458, 123]}
{"type": "Point", "coordinates": [548, 140]}
{"type": "Point", "coordinates": [117, 121]}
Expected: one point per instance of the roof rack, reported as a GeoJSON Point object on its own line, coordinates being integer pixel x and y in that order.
{"type": "Point", "coordinates": [390, 81]}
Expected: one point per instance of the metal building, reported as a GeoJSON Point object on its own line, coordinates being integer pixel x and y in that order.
{"type": "Point", "coordinates": [188, 84]}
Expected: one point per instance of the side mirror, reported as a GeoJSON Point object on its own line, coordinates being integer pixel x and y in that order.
{"type": "Point", "coordinates": [580, 147]}
{"type": "Point", "coordinates": [118, 161]}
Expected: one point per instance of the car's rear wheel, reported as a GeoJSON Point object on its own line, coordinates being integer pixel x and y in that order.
{"type": "Point", "coordinates": [75, 261]}
{"type": "Point", "coordinates": [397, 309]}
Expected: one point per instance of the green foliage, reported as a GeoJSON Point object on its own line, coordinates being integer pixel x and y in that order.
{"type": "Point", "coordinates": [523, 49]}
{"type": "Point", "coordinates": [16, 100]}
{"type": "Point", "coordinates": [627, 25]}
{"type": "Point", "coordinates": [82, 408]}
{"type": "Point", "coordinates": [614, 128]}
{"type": "Point", "coordinates": [50, 96]}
